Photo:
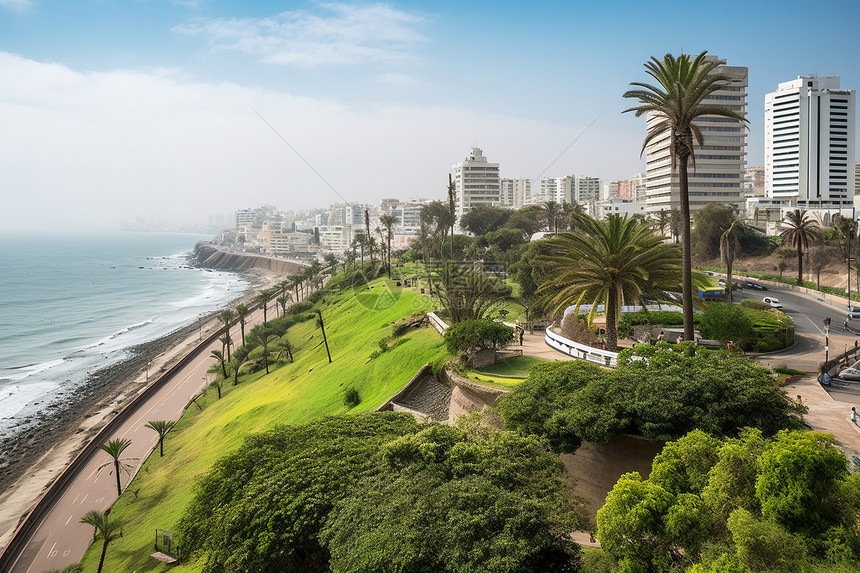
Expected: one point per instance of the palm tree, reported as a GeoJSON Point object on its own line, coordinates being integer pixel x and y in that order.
{"type": "Point", "coordinates": [109, 530]}
{"type": "Point", "coordinates": [799, 231]}
{"type": "Point", "coordinates": [674, 104]}
{"type": "Point", "coordinates": [730, 246]}
{"type": "Point", "coordinates": [219, 356]}
{"type": "Point", "coordinates": [262, 299]}
{"type": "Point", "coordinates": [321, 324]}
{"type": "Point", "coordinates": [452, 212]}
{"type": "Point", "coordinates": [282, 302]}
{"type": "Point", "coordinates": [239, 358]}
{"type": "Point", "coordinates": [242, 311]}
{"type": "Point", "coordinates": [552, 212]}
{"type": "Point", "coordinates": [114, 448]}
{"type": "Point", "coordinates": [615, 262]}
{"type": "Point", "coordinates": [388, 221]}
{"type": "Point", "coordinates": [226, 316]}
{"type": "Point", "coordinates": [161, 427]}
{"type": "Point", "coordinates": [367, 236]}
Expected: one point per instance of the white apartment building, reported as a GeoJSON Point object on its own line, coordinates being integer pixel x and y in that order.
{"type": "Point", "coordinates": [569, 189]}
{"type": "Point", "coordinates": [408, 216]}
{"type": "Point", "coordinates": [556, 189]}
{"type": "Point", "coordinates": [514, 192]}
{"type": "Point", "coordinates": [718, 174]}
{"type": "Point", "coordinates": [476, 182]}
{"type": "Point", "coordinates": [618, 206]}
{"type": "Point", "coordinates": [809, 143]}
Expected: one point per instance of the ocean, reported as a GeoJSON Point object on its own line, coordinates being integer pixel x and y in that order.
{"type": "Point", "coordinates": [73, 304]}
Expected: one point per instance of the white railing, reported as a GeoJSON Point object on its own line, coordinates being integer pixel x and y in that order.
{"type": "Point", "coordinates": [581, 351]}
{"type": "Point", "coordinates": [437, 322]}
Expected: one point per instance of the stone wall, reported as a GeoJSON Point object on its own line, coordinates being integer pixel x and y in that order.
{"type": "Point", "coordinates": [211, 257]}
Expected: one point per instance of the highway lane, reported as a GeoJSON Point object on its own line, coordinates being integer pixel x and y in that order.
{"type": "Point", "coordinates": [60, 538]}
{"type": "Point", "coordinates": [808, 314]}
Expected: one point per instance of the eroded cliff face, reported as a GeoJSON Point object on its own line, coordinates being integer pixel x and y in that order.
{"type": "Point", "coordinates": [211, 257]}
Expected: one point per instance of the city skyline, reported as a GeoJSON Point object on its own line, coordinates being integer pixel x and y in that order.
{"type": "Point", "coordinates": [174, 110]}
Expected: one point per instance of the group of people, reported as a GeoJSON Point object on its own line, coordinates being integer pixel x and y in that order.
{"type": "Point", "coordinates": [661, 336]}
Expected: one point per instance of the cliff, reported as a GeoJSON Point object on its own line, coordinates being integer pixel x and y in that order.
{"type": "Point", "coordinates": [212, 257]}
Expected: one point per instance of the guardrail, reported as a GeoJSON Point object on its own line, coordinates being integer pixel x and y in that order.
{"type": "Point", "coordinates": [10, 554]}
{"type": "Point", "coordinates": [580, 351]}
{"type": "Point", "coordinates": [437, 322]}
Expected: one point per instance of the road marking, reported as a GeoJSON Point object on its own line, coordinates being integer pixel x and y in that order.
{"type": "Point", "coordinates": [51, 550]}
{"type": "Point", "coordinates": [85, 497]}
{"type": "Point", "coordinates": [68, 520]}
{"type": "Point", "coordinates": [76, 499]}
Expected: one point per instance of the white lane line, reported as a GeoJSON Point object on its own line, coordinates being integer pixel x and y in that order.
{"type": "Point", "coordinates": [51, 550]}
{"type": "Point", "coordinates": [68, 520]}
{"type": "Point", "coordinates": [85, 497]}
{"type": "Point", "coordinates": [76, 499]}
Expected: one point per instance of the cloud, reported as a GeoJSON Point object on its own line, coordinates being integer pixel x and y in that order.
{"type": "Point", "coordinates": [93, 149]}
{"type": "Point", "coordinates": [398, 80]}
{"type": "Point", "coordinates": [16, 5]}
{"type": "Point", "coordinates": [333, 34]}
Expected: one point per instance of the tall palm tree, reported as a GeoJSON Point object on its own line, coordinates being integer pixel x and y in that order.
{"type": "Point", "coordinates": [114, 448]}
{"type": "Point", "coordinates": [367, 236]}
{"type": "Point", "coordinates": [109, 530]}
{"type": "Point", "coordinates": [674, 103]}
{"type": "Point", "coordinates": [161, 427]}
{"type": "Point", "coordinates": [262, 299]}
{"type": "Point", "coordinates": [798, 231]}
{"type": "Point", "coordinates": [282, 301]}
{"type": "Point", "coordinates": [242, 311]}
{"type": "Point", "coordinates": [730, 246]}
{"type": "Point", "coordinates": [239, 358]}
{"type": "Point", "coordinates": [388, 221]}
{"type": "Point", "coordinates": [222, 362]}
{"type": "Point", "coordinates": [452, 209]}
{"type": "Point", "coordinates": [615, 262]}
{"type": "Point", "coordinates": [551, 214]}
{"type": "Point", "coordinates": [226, 316]}
{"type": "Point", "coordinates": [321, 324]}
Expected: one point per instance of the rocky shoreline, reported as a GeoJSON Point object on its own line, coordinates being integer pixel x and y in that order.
{"type": "Point", "coordinates": [41, 432]}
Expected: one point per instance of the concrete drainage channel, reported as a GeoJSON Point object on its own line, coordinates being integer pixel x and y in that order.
{"type": "Point", "coordinates": [432, 400]}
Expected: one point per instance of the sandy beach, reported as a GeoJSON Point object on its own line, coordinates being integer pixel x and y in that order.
{"type": "Point", "coordinates": [40, 452]}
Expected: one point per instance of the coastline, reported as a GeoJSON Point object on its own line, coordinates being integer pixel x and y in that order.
{"type": "Point", "coordinates": [35, 456]}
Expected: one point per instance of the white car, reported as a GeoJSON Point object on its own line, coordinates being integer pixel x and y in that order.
{"type": "Point", "coordinates": [851, 373]}
{"type": "Point", "coordinates": [772, 301]}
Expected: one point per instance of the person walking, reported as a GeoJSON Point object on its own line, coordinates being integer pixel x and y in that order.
{"type": "Point", "coordinates": [660, 336]}
{"type": "Point", "coordinates": [854, 415]}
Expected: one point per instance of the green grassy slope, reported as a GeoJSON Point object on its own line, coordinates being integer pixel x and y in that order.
{"type": "Point", "coordinates": [292, 393]}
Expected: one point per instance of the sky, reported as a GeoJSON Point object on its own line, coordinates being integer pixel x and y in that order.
{"type": "Point", "coordinates": [172, 110]}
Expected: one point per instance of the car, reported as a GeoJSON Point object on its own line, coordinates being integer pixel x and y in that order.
{"type": "Point", "coordinates": [722, 283]}
{"type": "Point", "coordinates": [853, 315]}
{"type": "Point", "coordinates": [772, 301]}
{"type": "Point", "coordinates": [850, 373]}
{"type": "Point", "coordinates": [754, 285]}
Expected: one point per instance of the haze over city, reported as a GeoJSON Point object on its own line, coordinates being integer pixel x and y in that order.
{"type": "Point", "coordinates": [174, 110]}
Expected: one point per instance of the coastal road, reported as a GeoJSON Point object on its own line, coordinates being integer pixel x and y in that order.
{"type": "Point", "coordinates": [808, 314]}
{"type": "Point", "coordinates": [60, 538]}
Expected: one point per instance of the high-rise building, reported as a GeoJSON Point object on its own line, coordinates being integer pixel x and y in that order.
{"type": "Point", "coordinates": [557, 189]}
{"type": "Point", "coordinates": [476, 182]}
{"type": "Point", "coordinates": [514, 192]}
{"type": "Point", "coordinates": [809, 143]}
{"type": "Point", "coordinates": [718, 173]}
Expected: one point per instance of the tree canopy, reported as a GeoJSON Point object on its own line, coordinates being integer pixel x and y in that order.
{"type": "Point", "coordinates": [368, 492]}
{"type": "Point", "coordinates": [656, 392]}
{"type": "Point", "coordinates": [736, 505]}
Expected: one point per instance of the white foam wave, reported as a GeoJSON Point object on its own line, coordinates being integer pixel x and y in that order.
{"type": "Point", "coordinates": [24, 372]}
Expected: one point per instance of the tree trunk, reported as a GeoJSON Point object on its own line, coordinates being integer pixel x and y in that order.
{"type": "Point", "coordinates": [799, 264]}
{"type": "Point", "coordinates": [118, 485]}
{"type": "Point", "coordinates": [612, 319]}
{"type": "Point", "coordinates": [102, 558]}
{"type": "Point", "coordinates": [161, 447]}
{"type": "Point", "coordinates": [729, 280]}
{"type": "Point", "coordinates": [686, 259]}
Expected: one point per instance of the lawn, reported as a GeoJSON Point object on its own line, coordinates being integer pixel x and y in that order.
{"type": "Point", "coordinates": [505, 375]}
{"type": "Point", "coordinates": [356, 321]}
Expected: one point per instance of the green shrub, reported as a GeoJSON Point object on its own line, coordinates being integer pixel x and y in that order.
{"type": "Point", "coordinates": [351, 399]}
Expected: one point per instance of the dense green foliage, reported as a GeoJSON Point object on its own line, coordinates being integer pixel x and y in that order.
{"type": "Point", "coordinates": [471, 336]}
{"type": "Point", "coordinates": [457, 500]}
{"type": "Point", "coordinates": [740, 505]}
{"type": "Point", "coordinates": [656, 392]}
{"type": "Point", "coordinates": [752, 325]}
{"type": "Point", "coordinates": [367, 493]}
